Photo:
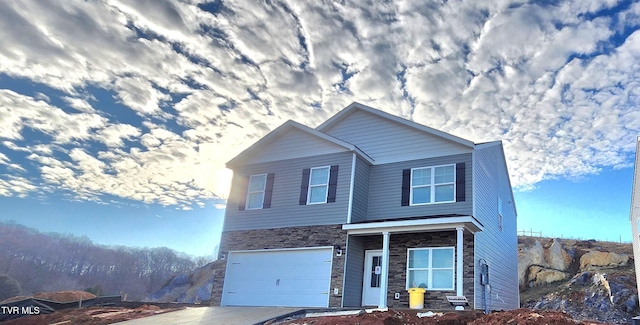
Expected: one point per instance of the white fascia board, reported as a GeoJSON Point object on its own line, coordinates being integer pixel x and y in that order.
{"type": "Point", "coordinates": [406, 226]}
{"type": "Point", "coordinates": [355, 105]}
{"type": "Point", "coordinates": [270, 250]}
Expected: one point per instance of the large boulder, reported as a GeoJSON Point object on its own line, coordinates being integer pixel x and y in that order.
{"type": "Point", "coordinates": [540, 276]}
{"type": "Point", "coordinates": [551, 261]}
{"type": "Point", "coordinates": [187, 288]}
{"type": "Point", "coordinates": [557, 257]}
{"type": "Point", "coordinates": [527, 257]}
{"type": "Point", "coordinates": [596, 260]}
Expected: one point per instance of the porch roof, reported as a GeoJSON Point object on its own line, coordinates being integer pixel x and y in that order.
{"type": "Point", "coordinates": [415, 225]}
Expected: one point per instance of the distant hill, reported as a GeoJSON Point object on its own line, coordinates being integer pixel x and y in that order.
{"type": "Point", "coordinates": [44, 262]}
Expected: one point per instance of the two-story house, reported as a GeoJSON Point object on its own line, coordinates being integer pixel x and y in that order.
{"type": "Point", "coordinates": [363, 207]}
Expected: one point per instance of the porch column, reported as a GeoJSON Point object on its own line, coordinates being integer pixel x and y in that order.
{"type": "Point", "coordinates": [459, 263]}
{"type": "Point", "coordinates": [384, 276]}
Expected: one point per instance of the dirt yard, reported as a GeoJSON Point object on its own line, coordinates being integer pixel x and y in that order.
{"type": "Point", "coordinates": [408, 317]}
{"type": "Point", "coordinates": [90, 316]}
{"type": "Point", "coordinates": [83, 316]}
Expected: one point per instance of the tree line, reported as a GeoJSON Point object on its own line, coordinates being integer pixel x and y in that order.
{"type": "Point", "coordinates": [45, 262]}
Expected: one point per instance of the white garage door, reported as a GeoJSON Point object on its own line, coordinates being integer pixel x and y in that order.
{"type": "Point", "coordinates": [288, 277]}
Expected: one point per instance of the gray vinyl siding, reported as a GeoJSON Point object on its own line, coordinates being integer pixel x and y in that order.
{"type": "Point", "coordinates": [360, 191]}
{"type": "Point", "coordinates": [285, 210]}
{"type": "Point", "coordinates": [498, 247]}
{"type": "Point", "coordinates": [293, 144]}
{"type": "Point", "coordinates": [387, 141]}
{"type": "Point", "coordinates": [385, 190]}
{"type": "Point", "coordinates": [353, 272]}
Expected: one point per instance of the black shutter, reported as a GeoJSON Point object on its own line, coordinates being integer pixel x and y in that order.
{"type": "Point", "coordinates": [406, 186]}
{"type": "Point", "coordinates": [333, 184]}
{"type": "Point", "coordinates": [460, 174]}
{"type": "Point", "coordinates": [304, 188]}
{"type": "Point", "coordinates": [243, 183]}
{"type": "Point", "coordinates": [268, 190]}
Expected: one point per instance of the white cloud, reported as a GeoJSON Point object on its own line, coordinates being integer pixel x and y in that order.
{"type": "Point", "coordinates": [543, 78]}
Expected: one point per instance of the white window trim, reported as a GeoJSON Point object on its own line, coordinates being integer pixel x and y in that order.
{"type": "Point", "coordinates": [249, 192]}
{"type": "Point", "coordinates": [430, 269]}
{"type": "Point", "coordinates": [328, 168]}
{"type": "Point", "coordinates": [432, 185]}
{"type": "Point", "coordinates": [500, 213]}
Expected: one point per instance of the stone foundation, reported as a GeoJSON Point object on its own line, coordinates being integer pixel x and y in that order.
{"type": "Point", "coordinates": [314, 236]}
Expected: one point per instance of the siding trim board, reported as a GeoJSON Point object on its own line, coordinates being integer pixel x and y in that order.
{"type": "Point", "coordinates": [420, 225]}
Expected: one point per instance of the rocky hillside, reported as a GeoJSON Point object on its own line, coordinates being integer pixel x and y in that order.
{"type": "Point", "coordinates": [586, 279]}
{"type": "Point", "coordinates": [193, 288]}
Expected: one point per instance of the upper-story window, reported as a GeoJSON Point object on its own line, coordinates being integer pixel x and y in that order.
{"type": "Point", "coordinates": [500, 215]}
{"type": "Point", "coordinates": [319, 185]}
{"type": "Point", "coordinates": [255, 192]}
{"type": "Point", "coordinates": [258, 192]}
{"type": "Point", "coordinates": [433, 184]}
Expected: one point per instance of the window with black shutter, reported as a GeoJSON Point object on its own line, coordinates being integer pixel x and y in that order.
{"type": "Point", "coordinates": [259, 189]}
{"type": "Point", "coordinates": [433, 184]}
{"type": "Point", "coordinates": [319, 185]}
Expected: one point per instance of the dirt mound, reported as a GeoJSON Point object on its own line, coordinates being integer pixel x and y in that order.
{"type": "Point", "coordinates": [475, 317]}
{"type": "Point", "coordinates": [529, 317]}
{"type": "Point", "coordinates": [59, 296]}
{"type": "Point", "coordinates": [64, 296]}
{"type": "Point", "coordinates": [91, 316]}
{"type": "Point", "coordinates": [16, 298]}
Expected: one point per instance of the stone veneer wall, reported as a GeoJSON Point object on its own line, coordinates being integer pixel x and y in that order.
{"type": "Point", "coordinates": [291, 237]}
{"type": "Point", "coordinates": [398, 244]}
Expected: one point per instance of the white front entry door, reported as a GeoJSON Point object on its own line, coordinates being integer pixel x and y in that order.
{"type": "Point", "coordinates": [372, 277]}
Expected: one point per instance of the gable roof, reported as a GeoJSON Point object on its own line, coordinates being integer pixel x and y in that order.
{"type": "Point", "coordinates": [355, 106]}
{"type": "Point", "coordinates": [283, 129]}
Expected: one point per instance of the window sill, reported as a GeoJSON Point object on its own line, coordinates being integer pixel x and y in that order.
{"type": "Point", "coordinates": [431, 203]}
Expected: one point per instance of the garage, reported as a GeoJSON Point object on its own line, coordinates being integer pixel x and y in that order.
{"type": "Point", "coordinates": [278, 277]}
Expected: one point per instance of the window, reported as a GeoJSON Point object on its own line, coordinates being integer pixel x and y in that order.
{"type": "Point", "coordinates": [433, 184]}
{"type": "Point", "coordinates": [318, 185]}
{"type": "Point", "coordinates": [430, 268]}
{"type": "Point", "coordinates": [259, 189]}
{"type": "Point", "coordinates": [500, 213]}
{"type": "Point", "coordinates": [255, 192]}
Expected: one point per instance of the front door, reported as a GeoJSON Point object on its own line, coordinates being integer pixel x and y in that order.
{"type": "Point", "coordinates": [372, 275]}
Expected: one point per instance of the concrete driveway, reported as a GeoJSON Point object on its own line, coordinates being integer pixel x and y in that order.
{"type": "Point", "coordinates": [215, 315]}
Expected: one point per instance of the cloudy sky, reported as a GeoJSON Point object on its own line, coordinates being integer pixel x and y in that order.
{"type": "Point", "coordinates": [116, 117]}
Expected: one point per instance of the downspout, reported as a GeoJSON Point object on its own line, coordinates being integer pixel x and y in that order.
{"type": "Point", "coordinates": [351, 186]}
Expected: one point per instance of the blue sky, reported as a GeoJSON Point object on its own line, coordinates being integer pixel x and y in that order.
{"type": "Point", "coordinates": [116, 117]}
